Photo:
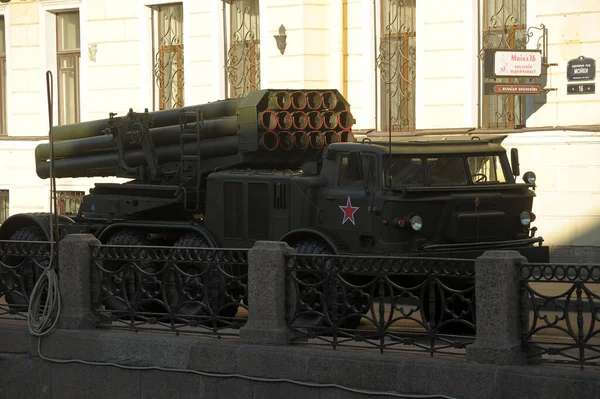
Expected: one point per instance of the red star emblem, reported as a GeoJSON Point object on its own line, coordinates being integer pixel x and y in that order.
{"type": "Point", "coordinates": [349, 211]}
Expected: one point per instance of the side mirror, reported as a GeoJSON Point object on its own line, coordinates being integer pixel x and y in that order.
{"type": "Point", "coordinates": [514, 161]}
{"type": "Point", "coordinates": [355, 163]}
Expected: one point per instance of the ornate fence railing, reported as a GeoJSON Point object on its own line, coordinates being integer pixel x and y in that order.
{"type": "Point", "coordinates": [21, 264]}
{"type": "Point", "coordinates": [389, 303]}
{"type": "Point", "coordinates": [561, 308]}
{"type": "Point", "coordinates": [186, 290]}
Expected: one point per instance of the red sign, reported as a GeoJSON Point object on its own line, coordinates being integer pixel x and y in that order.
{"type": "Point", "coordinates": [517, 89]}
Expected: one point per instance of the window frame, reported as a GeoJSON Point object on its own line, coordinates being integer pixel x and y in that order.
{"type": "Point", "coordinates": [3, 82]}
{"type": "Point", "coordinates": [161, 52]}
{"type": "Point", "coordinates": [4, 205]}
{"type": "Point", "coordinates": [75, 54]}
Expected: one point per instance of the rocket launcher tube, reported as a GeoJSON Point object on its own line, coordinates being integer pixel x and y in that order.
{"type": "Point", "coordinates": [301, 140]}
{"type": "Point", "coordinates": [299, 120]}
{"type": "Point", "coordinates": [86, 166]}
{"type": "Point", "coordinates": [316, 140]}
{"type": "Point", "coordinates": [217, 109]}
{"type": "Point", "coordinates": [330, 120]}
{"type": "Point", "coordinates": [160, 136]}
{"type": "Point", "coordinates": [331, 137]}
{"type": "Point", "coordinates": [286, 141]}
{"type": "Point", "coordinates": [329, 100]}
{"type": "Point", "coordinates": [345, 119]}
{"type": "Point", "coordinates": [268, 119]}
{"type": "Point", "coordinates": [315, 121]}
{"type": "Point", "coordinates": [315, 100]}
{"type": "Point", "coordinates": [284, 120]}
{"type": "Point", "coordinates": [346, 136]}
{"type": "Point", "coordinates": [299, 100]}
{"type": "Point", "coordinates": [269, 141]}
{"type": "Point", "coordinates": [280, 100]}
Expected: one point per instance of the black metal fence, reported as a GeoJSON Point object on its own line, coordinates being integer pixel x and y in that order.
{"type": "Point", "coordinates": [186, 290]}
{"type": "Point", "coordinates": [561, 309]}
{"type": "Point", "coordinates": [21, 264]}
{"type": "Point", "coordinates": [389, 303]}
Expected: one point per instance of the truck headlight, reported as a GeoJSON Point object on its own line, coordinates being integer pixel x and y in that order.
{"type": "Point", "coordinates": [416, 222]}
{"type": "Point", "coordinates": [529, 177]}
{"type": "Point", "coordinates": [526, 218]}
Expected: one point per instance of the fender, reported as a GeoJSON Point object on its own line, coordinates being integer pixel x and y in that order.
{"type": "Point", "coordinates": [18, 221]}
{"type": "Point", "coordinates": [203, 231]}
{"type": "Point", "coordinates": [295, 235]}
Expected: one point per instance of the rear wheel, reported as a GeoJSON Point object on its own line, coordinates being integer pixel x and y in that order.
{"type": "Point", "coordinates": [331, 288]}
{"type": "Point", "coordinates": [222, 299]}
{"type": "Point", "coordinates": [137, 290]}
{"type": "Point", "coordinates": [18, 280]}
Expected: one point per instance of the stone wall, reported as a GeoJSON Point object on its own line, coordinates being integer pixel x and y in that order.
{"type": "Point", "coordinates": [77, 360]}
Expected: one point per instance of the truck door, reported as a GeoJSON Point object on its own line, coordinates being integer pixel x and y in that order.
{"type": "Point", "coordinates": [349, 202]}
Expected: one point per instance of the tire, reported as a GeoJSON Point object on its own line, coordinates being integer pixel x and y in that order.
{"type": "Point", "coordinates": [18, 290]}
{"type": "Point", "coordinates": [333, 290]}
{"type": "Point", "coordinates": [132, 300]}
{"type": "Point", "coordinates": [222, 303]}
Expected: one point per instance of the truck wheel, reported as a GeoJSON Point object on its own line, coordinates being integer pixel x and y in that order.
{"type": "Point", "coordinates": [333, 290]}
{"type": "Point", "coordinates": [18, 281]}
{"type": "Point", "coordinates": [222, 299]}
{"type": "Point", "coordinates": [139, 292]}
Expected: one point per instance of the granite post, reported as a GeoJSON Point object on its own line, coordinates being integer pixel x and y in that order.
{"type": "Point", "coordinates": [498, 338]}
{"type": "Point", "coordinates": [74, 282]}
{"type": "Point", "coordinates": [266, 295]}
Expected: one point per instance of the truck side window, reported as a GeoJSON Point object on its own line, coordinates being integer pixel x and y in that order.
{"type": "Point", "coordinates": [446, 171]}
{"type": "Point", "coordinates": [347, 178]}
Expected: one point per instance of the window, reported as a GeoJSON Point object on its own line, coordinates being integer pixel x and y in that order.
{"type": "Point", "coordinates": [349, 176]}
{"type": "Point", "coordinates": [243, 56]}
{"type": "Point", "coordinates": [3, 127]}
{"type": "Point", "coordinates": [397, 64]}
{"type": "Point", "coordinates": [404, 171]}
{"type": "Point", "coordinates": [69, 201]}
{"type": "Point", "coordinates": [504, 27]}
{"type": "Point", "coordinates": [486, 169]}
{"type": "Point", "coordinates": [68, 56]}
{"type": "Point", "coordinates": [4, 205]}
{"type": "Point", "coordinates": [167, 22]}
{"type": "Point", "coordinates": [446, 171]}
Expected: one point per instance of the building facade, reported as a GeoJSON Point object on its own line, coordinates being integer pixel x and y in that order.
{"type": "Point", "coordinates": [406, 66]}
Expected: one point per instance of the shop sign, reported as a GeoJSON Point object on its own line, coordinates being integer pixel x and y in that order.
{"type": "Point", "coordinates": [518, 89]}
{"type": "Point", "coordinates": [512, 63]}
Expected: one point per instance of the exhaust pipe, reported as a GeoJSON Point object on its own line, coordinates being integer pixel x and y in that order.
{"type": "Point", "coordinates": [330, 120]}
{"type": "Point", "coordinates": [299, 100]}
{"type": "Point", "coordinates": [314, 100]}
{"type": "Point", "coordinates": [301, 140]}
{"type": "Point", "coordinates": [316, 140]}
{"type": "Point", "coordinates": [329, 100]}
{"type": "Point", "coordinates": [286, 141]}
{"type": "Point", "coordinates": [269, 140]}
{"type": "Point", "coordinates": [299, 120]}
{"type": "Point", "coordinates": [315, 121]}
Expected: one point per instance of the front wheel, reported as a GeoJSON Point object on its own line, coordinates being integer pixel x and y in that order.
{"type": "Point", "coordinates": [314, 288]}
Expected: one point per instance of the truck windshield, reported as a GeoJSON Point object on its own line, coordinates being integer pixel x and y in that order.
{"type": "Point", "coordinates": [414, 171]}
{"type": "Point", "coordinates": [486, 169]}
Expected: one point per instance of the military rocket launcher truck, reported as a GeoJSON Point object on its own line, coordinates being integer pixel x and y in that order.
{"type": "Point", "coordinates": [284, 165]}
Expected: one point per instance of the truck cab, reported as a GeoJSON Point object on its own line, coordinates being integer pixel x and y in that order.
{"type": "Point", "coordinates": [416, 196]}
